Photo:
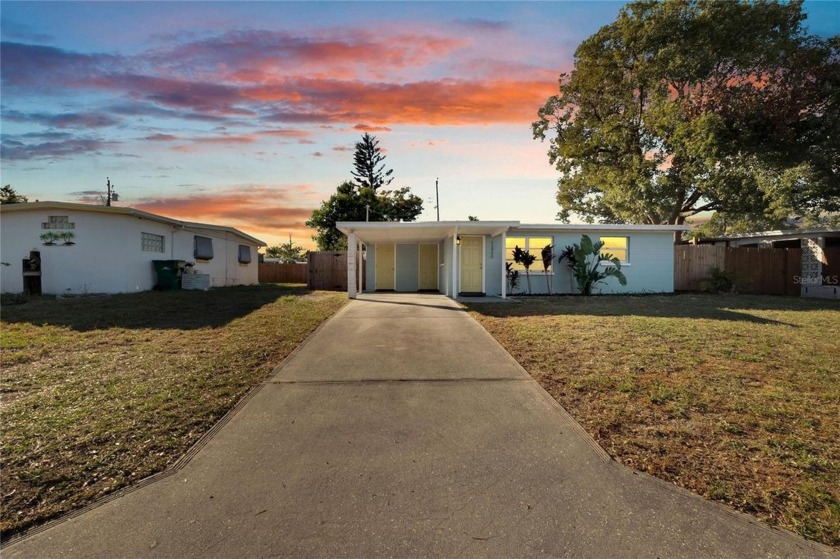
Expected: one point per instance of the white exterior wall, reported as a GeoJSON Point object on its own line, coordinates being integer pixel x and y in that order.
{"type": "Point", "coordinates": [224, 269]}
{"type": "Point", "coordinates": [650, 266]}
{"type": "Point", "coordinates": [107, 256]}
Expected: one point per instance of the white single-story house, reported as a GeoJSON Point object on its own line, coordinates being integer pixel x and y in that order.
{"type": "Point", "coordinates": [460, 258]}
{"type": "Point", "coordinates": [81, 248]}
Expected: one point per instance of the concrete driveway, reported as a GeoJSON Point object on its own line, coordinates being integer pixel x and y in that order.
{"type": "Point", "coordinates": [402, 429]}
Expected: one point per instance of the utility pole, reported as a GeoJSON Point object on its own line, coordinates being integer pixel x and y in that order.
{"type": "Point", "coordinates": [437, 199]}
{"type": "Point", "coordinates": [367, 212]}
{"type": "Point", "coordinates": [108, 199]}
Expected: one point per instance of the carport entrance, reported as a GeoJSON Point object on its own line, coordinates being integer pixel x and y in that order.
{"type": "Point", "coordinates": [417, 256]}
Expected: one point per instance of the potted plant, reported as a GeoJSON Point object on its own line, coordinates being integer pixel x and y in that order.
{"type": "Point", "coordinates": [67, 237]}
{"type": "Point", "coordinates": [49, 238]}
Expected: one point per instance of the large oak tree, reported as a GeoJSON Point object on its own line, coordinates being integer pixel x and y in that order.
{"type": "Point", "coordinates": [685, 106]}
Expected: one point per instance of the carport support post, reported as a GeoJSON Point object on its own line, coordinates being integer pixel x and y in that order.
{"type": "Point", "coordinates": [504, 265]}
{"type": "Point", "coordinates": [351, 265]}
{"type": "Point", "coordinates": [361, 262]}
{"type": "Point", "coordinates": [455, 264]}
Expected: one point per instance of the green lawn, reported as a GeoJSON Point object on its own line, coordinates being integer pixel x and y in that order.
{"type": "Point", "coordinates": [736, 398]}
{"type": "Point", "coordinates": [100, 392]}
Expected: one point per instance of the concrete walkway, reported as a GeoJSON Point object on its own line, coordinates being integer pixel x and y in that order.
{"type": "Point", "coordinates": [402, 429]}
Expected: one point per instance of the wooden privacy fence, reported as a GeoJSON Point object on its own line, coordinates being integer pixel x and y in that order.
{"type": "Point", "coordinates": [325, 270]}
{"type": "Point", "coordinates": [274, 272]}
{"type": "Point", "coordinates": [328, 270]}
{"type": "Point", "coordinates": [770, 271]}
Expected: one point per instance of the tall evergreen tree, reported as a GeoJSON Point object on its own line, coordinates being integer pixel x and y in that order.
{"type": "Point", "coordinates": [368, 167]}
{"type": "Point", "coordinates": [363, 200]}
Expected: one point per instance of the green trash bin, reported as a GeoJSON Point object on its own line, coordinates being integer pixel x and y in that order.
{"type": "Point", "coordinates": [168, 274]}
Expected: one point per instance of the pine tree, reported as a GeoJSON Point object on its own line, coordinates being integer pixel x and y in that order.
{"type": "Point", "coordinates": [369, 169]}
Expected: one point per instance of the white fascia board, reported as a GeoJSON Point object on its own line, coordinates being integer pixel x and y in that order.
{"type": "Point", "coordinates": [597, 227]}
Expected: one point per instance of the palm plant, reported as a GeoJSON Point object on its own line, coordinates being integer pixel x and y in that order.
{"type": "Point", "coordinates": [547, 254]}
{"type": "Point", "coordinates": [512, 276]}
{"type": "Point", "coordinates": [525, 258]}
{"type": "Point", "coordinates": [586, 262]}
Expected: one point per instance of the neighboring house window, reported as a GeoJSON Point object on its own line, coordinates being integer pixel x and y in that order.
{"type": "Point", "coordinates": [244, 254]}
{"type": "Point", "coordinates": [203, 248]}
{"type": "Point", "coordinates": [534, 245]}
{"type": "Point", "coordinates": [153, 243]}
{"type": "Point", "coordinates": [618, 247]}
{"type": "Point", "coordinates": [58, 222]}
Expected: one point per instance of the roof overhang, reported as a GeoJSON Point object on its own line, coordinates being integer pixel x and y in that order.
{"type": "Point", "coordinates": [584, 227]}
{"type": "Point", "coordinates": [124, 210]}
{"type": "Point", "coordinates": [389, 232]}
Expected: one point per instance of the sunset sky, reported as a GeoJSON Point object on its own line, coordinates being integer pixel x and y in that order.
{"type": "Point", "coordinates": [245, 114]}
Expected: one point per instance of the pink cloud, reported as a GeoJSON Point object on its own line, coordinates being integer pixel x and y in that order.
{"type": "Point", "coordinates": [252, 209]}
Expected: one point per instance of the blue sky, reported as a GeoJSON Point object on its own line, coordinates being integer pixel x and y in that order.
{"type": "Point", "coordinates": [245, 114]}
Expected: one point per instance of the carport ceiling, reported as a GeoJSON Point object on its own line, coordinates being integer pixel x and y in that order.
{"type": "Point", "coordinates": [423, 232]}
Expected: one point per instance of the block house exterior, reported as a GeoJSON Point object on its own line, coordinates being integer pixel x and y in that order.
{"type": "Point", "coordinates": [464, 258]}
{"type": "Point", "coordinates": [112, 248]}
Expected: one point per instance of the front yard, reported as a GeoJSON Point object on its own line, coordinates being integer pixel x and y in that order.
{"type": "Point", "coordinates": [736, 398]}
{"type": "Point", "coordinates": [100, 392]}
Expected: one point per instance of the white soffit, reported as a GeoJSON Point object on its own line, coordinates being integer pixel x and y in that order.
{"type": "Point", "coordinates": [420, 232]}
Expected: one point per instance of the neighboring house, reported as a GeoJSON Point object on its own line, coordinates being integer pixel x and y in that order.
{"type": "Point", "coordinates": [84, 248]}
{"type": "Point", "coordinates": [468, 257]}
{"type": "Point", "coordinates": [789, 238]}
{"type": "Point", "coordinates": [819, 269]}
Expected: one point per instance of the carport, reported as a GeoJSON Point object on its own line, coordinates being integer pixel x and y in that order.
{"type": "Point", "coordinates": [444, 256]}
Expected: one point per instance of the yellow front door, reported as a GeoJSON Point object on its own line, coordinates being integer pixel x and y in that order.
{"type": "Point", "coordinates": [385, 266]}
{"type": "Point", "coordinates": [472, 264]}
{"type": "Point", "coordinates": [428, 267]}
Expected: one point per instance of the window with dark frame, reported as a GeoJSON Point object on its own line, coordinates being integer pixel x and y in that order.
{"type": "Point", "coordinates": [202, 248]}
{"type": "Point", "coordinates": [244, 254]}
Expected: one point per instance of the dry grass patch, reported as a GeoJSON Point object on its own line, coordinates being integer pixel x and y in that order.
{"type": "Point", "coordinates": [736, 398]}
{"type": "Point", "coordinates": [100, 392]}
